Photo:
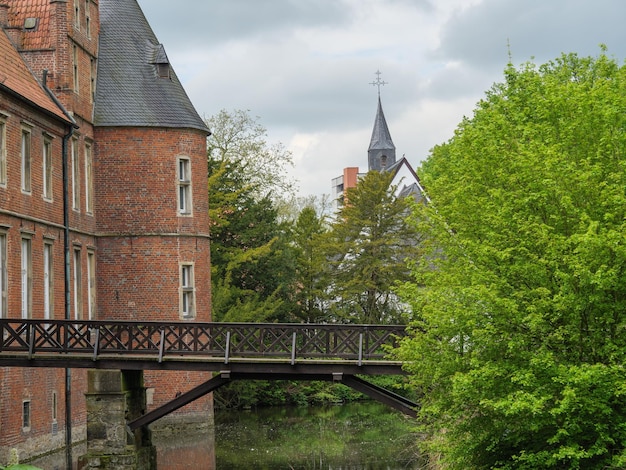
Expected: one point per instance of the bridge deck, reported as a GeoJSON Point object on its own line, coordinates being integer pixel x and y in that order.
{"type": "Point", "coordinates": [238, 351]}
{"type": "Point", "coordinates": [202, 363]}
{"type": "Point", "coordinates": [236, 347]}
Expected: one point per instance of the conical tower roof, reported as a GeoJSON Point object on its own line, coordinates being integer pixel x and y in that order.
{"type": "Point", "coordinates": [382, 152]}
{"type": "Point", "coordinates": [136, 85]}
{"type": "Point", "coordinates": [381, 137]}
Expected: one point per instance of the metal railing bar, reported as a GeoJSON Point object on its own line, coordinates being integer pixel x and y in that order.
{"type": "Point", "coordinates": [293, 348]}
{"type": "Point", "coordinates": [161, 345]}
{"type": "Point", "coordinates": [31, 340]}
{"type": "Point", "coordinates": [360, 349]}
{"type": "Point", "coordinates": [96, 344]}
{"type": "Point", "coordinates": [227, 347]}
{"type": "Point", "coordinates": [362, 342]}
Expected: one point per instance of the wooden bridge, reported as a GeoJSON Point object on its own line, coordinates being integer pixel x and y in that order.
{"type": "Point", "coordinates": [238, 351]}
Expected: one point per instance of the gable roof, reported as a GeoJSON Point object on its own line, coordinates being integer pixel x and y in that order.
{"type": "Point", "coordinates": [17, 79]}
{"type": "Point", "coordinates": [129, 90]}
{"type": "Point", "coordinates": [406, 179]}
{"type": "Point", "coordinates": [381, 137]}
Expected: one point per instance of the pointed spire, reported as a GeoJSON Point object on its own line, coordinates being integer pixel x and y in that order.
{"type": "Point", "coordinates": [382, 152]}
{"type": "Point", "coordinates": [381, 137]}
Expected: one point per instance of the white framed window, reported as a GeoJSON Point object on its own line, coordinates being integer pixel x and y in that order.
{"type": "Point", "coordinates": [92, 79]}
{"type": "Point", "coordinates": [87, 19]}
{"type": "Point", "coordinates": [187, 292]}
{"type": "Point", "coordinates": [26, 415]}
{"type": "Point", "coordinates": [48, 281]}
{"type": "Point", "coordinates": [78, 282]}
{"type": "Point", "coordinates": [77, 14]}
{"type": "Point", "coordinates": [26, 160]}
{"type": "Point", "coordinates": [75, 175]}
{"type": "Point", "coordinates": [3, 150]}
{"type": "Point", "coordinates": [55, 406]}
{"type": "Point", "coordinates": [26, 278]}
{"type": "Point", "coordinates": [88, 179]}
{"type": "Point", "coordinates": [3, 275]}
{"type": "Point", "coordinates": [47, 168]}
{"type": "Point", "coordinates": [75, 67]}
{"type": "Point", "coordinates": [184, 186]}
{"type": "Point", "coordinates": [91, 286]}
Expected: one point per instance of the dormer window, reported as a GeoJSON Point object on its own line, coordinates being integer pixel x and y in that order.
{"type": "Point", "coordinates": [30, 24]}
{"type": "Point", "coordinates": [163, 70]}
{"type": "Point", "coordinates": [162, 63]}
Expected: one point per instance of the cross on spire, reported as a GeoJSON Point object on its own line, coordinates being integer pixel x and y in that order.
{"type": "Point", "coordinates": [378, 82]}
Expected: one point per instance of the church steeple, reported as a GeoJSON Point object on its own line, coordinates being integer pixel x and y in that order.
{"type": "Point", "coordinates": [382, 152]}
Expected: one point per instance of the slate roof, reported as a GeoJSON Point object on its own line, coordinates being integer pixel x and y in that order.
{"type": "Point", "coordinates": [381, 137]}
{"type": "Point", "coordinates": [410, 188]}
{"type": "Point", "coordinates": [129, 91]}
{"type": "Point", "coordinates": [396, 166]}
{"type": "Point", "coordinates": [17, 78]}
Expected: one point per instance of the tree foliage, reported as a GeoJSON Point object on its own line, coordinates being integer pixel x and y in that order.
{"type": "Point", "coordinates": [368, 247]}
{"type": "Point", "coordinates": [520, 344]}
{"type": "Point", "coordinates": [311, 266]}
{"type": "Point", "coordinates": [252, 266]}
{"type": "Point", "coordinates": [239, 138]}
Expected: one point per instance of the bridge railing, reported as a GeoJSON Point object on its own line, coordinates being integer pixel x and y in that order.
{"type": "Point", "coordinates": [224, 340]}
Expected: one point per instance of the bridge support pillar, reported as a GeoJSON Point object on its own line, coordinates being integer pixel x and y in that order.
{"type": "Point", "coordinates": [113, 398]}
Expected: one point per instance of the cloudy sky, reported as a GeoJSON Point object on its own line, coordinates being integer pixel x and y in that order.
{"type": "Point", "coordinates": [305, 67]}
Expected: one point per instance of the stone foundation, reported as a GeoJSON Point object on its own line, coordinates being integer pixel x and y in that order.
{"type": "Point", "coordinates": [113, 398]}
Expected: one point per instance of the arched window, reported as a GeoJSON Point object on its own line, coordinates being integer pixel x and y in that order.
{"type": "Point", "coordinates": [383, 161]}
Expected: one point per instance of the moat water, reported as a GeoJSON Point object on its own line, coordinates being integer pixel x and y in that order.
{"type": "Point", "coordinates": [360, 436]}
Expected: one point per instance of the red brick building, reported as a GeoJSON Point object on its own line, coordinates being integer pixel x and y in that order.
{"type": "Point", "coordinates": [102, 164]}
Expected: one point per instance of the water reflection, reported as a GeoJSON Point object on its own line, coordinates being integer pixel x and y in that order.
{"type": "Point", "coordinates": [365, 436]}
{"type": "Point", "coordinates": [191, 449]}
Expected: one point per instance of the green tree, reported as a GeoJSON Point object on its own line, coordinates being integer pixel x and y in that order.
{"type": "Point", "coordinates": [311, 273]}
{"type": "Point", "coordinates": [241, 237]}
{"type": "Point", "coordinates": [519, 348]}
{"type": "Point", "coordinates": [238, 137]}
{"type": "Point", "coordinates": [252, 262]}
{"type": "Point", "coordinates": [369, 246]}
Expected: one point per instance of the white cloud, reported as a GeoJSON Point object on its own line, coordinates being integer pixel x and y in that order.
{"type": "Point", "coordinates": [305, 66]}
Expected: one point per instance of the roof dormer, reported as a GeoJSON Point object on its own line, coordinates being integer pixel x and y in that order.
{"type": "Point", "coordinates": [162, 63]}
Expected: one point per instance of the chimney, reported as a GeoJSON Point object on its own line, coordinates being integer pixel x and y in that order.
{"type": "Point", "coordinates": [4, 14]}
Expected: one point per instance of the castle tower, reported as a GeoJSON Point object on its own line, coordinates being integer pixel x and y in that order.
{"type": "Point", "coordinates": [151, 185]}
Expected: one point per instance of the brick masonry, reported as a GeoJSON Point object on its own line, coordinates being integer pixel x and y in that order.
{"type": "Point", "coordinates": [134, 231]}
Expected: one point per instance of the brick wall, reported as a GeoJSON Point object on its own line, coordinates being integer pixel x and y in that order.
{"type": "Point", "coordinates": [135, 232]}
{"type": "Point", "coordinates": [40, 220]}
{"type": "Point", "coordinates": [143, 239]}
{"type": "Point", "coordinates": [136, 172]}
